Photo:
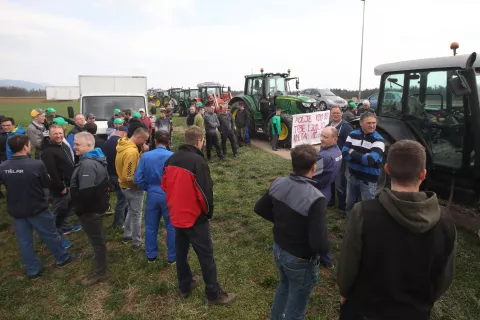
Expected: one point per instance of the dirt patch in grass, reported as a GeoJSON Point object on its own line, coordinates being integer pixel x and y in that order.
{"type": "Point", "coordinates": [93, 301]}
{"type": "Point", "coordinates": [129, 303]}
{"type": "Point", "coordinates": [21, 99]}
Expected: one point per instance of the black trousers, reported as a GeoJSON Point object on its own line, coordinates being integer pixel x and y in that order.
{"type": "Point", "coordinates": [230, 136]}
{"type": "Point", "coordinates": [212, 140]}
{"type": "Point", "coordinates": [274, 141]}
{"type": "Point", "coordinates": [92, 224]}
{"type": "Point", "coordinates": [347, 312]}
{"type": "Point", "coordinates": [199, 237]}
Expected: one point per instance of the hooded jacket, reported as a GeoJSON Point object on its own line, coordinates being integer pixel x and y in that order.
{"type": "Point", "coordinates": [25, 180]}
{"type": "Point", "coordinates": [16, 130]}
{"type": "Point", "coordinates": [89, 185]}
{"type": "Point", "coordinates": [397, 255]}
{"type": "Point", "coordinates": [126, 163]}
{"type": "Point", "coordinates": [59, 163]}
{"type": "Point", "coordinates": [36, 133]}
{"type": "Point", "coordinates": [133, 125]}
{"type": "Point", "coordinates": [150, 169]}
{"type": "Point", "coordinates": [329, 164]}
{"type": "Point", "coordinates": [211, 122]}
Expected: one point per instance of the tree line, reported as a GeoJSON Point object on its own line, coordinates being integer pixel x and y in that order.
{"type": "Point", "coordinates": [21, 92]}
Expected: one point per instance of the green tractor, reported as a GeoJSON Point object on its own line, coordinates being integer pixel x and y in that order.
{"type": "Point", "coordinates": [174, 92]}
{"type": "Point", "coordinates": [185, 98]}
{"type": "Point", "coordinates": [262, 94]}
{"type": "Point", "coordinates": [158, 97]}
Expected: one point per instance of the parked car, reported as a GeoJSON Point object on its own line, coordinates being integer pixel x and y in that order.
{"type": "Point", "coordinates": [325, 98]}
{"type": "Point", "coordinates": [390, 96]}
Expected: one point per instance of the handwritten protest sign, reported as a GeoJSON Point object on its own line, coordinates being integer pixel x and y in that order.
{"type": "Point", "coordinates": [307, 127]}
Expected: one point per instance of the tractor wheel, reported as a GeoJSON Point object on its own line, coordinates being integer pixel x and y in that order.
{"type": "Point", "coordinates": [234, 109]}
{"type": "Point", "coordinates": [157, 102]}
{"type": "Point", "coordinates": [285, 138]}
{"type": "Point", "coordinates": [323, 106]}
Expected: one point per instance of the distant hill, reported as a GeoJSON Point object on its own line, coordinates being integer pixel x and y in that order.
{"type": "Point", "coordinates": [23, 84]}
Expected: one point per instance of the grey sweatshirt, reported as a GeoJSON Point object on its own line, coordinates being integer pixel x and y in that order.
{"type": "Point", "coordinates": [211, 122]}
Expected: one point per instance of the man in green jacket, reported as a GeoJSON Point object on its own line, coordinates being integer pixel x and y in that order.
{"type": "Point", "coordinates": [276, 128]}
{"type": "Point", "coordinates": [198, 121]}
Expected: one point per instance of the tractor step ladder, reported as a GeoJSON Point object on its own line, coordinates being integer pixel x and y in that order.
{"type": "Point", "coordinates": [257, 116]}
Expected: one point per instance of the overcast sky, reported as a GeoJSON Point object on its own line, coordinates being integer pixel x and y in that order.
{"type": "Point", "coordinates": [184, 42]}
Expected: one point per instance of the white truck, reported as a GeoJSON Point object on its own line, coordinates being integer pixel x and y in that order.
{"type": "Point", "coordinates": [62, 93]}
{"type": "Point", "coordinates": [101, 95]}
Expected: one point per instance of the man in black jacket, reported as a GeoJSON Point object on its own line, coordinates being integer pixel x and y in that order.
{"type": "Point", "coordinates": [192, 114]}
{"type": "Point", "coordinates": [242, 121]}
{"type": "Point", "coordinates": [397, 252]}
{"type": "Point", "coordinates": [227, 131]}
{"type": "Point", "coordinates": [187, 176]}
{"type": "Point", "coordinates": [59, 162]}
{"type": "Point", "coordinates": [297, 210]}
{"type": "Point", "coordinates": [90, 198]}
{"type": "Point", "coordinates": [25, 180]}
{"type": "Point", "coordinates": [91, 128]}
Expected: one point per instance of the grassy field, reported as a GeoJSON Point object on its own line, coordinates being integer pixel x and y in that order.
{"type": "Point", "coordinates": [242, 242]}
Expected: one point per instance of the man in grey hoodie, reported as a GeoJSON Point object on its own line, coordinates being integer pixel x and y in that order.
{"type": "Point", "coordinates": [90, 197]}
{"type": "Point", "coordinates": [397, 253]}
{"type": "Point", "coordinates": [211, 125]}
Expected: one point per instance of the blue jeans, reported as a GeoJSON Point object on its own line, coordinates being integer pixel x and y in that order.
{"type": "Point", "coordinates": [297, 279]}
{"type": "Point", "coordinates": [119, 215]}
{"type": "Point", "coordinates": [358, 190]}
{"type": "Point", "coordinates": [155, 209]}
{"type": "Point", "coordinates": [44, 224]}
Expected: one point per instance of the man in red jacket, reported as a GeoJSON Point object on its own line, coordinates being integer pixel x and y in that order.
{"type": "Point", "coordinates": [187, 176]}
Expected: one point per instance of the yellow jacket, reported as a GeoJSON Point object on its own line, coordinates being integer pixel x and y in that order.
{"type": "Point", "coordinates": [126, 162]}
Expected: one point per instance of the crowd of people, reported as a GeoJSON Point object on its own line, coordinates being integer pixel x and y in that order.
{"type": "Point", "coordinates": [397, 253]}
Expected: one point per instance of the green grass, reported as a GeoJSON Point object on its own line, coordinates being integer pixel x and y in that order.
{"type": "Point", "coordinates": [242, 244]}
{"type": "Point", "coordinates": [20, 111]}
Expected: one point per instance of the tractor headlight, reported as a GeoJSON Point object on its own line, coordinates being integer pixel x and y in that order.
{"type": "Point", "coordinates": [314, 104]}
{"type": "Point", "coordinates": [306, 104]}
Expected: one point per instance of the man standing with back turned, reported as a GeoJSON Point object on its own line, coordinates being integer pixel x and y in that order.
{"type": "Point", "coordinates": [299, 232]}
{"type": "Point", "coordinates": [397, 253]}
{"type": "Point", "coordinates": [187, 176]}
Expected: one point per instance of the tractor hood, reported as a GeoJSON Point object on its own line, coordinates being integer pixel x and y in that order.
{"type": "Point", "coordinates": [297, 98]}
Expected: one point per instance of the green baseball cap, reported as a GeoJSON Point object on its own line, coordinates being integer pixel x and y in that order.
{"type": "Point", "coordinates": [60, 121]}
{"type": "Point", "coordinates": [352, 104]}
{"type": "Point", "coordinates": [199, 104]}
{"type": "Point", "coordinates": [137, 115]}
{"type": "Point", "coordinates": [51, 110]}
{"type": "Point", "coordinates": [118, 121]}
{"type": "Point", "coordinates": [116, 111]}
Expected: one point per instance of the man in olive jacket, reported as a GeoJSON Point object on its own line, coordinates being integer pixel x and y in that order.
{"type": "Point", "coordinates": [397, 254]}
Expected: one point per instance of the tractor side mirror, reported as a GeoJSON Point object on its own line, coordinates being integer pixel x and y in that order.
{"type": "Point", "coordinates": [229, 89]}
{"type": "Point", "coordinates": [460, 86]}
{"type": "Point", "coordinates": [297, 84]}
{"type": "Point", "coordinates": [70, 111]}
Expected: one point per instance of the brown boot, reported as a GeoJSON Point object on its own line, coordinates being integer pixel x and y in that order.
{"type": "Point", "coordinates": [193, 285]}
{"type": "Point", "coordinates": [93, 279]}
{"type": "Point", "coordinates": [223, 299]}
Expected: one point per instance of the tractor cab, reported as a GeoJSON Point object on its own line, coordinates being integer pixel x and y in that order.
{"type": "Point", "coordinates": [213, 93]}
{"type": "Point", "coordinates": [185, 99]}
{"type": "Point", "coordinates": [438, 105]}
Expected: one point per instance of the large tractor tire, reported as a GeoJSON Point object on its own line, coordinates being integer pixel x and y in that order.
{"type": "Point", "coordinates": [234, 109]}
{"type": "Point", "coordinates": [157, 102]}
{"type": "Point", "coordinates": [285, 138]}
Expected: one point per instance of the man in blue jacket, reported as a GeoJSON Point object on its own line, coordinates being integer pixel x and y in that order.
{"type": "Point", "coordinates": [329, 164]}
{"type": "Point", "coordinates": [148, 176]}
{"type": "Point", "coordinates": [8, 126]}
{"type": "Point", "coordinates": [25, 180]}
{"type": "Point", "coordinates": [364, 152]}
{"type": "Point", "coordinates": [344, 129]}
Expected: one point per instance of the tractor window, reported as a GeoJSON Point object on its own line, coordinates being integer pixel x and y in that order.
{"type": "Point", "coordinates": [439, 116]}
{"type": "Point", "coordinates": [276, 86]}
{"type": "Point", "coordinates": [257, 89]}
{"type": "Point", "coordinates": [392, 96]}
{"type": "Point", "coordinates": [249, 87]}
